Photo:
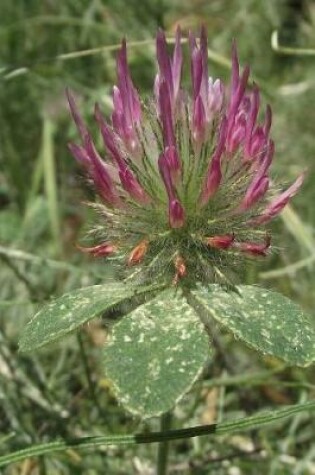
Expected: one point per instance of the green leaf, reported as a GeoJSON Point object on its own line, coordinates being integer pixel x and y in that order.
{"type": "Point", "coordinates": [155, 354]}
{"type": "Point", "coordinates": [72, 310]}
{"type": "Point", "coordinates": [265, 320]}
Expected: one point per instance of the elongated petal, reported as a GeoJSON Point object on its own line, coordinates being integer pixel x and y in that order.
{"type": "Point", "coordinates": [204, 56]}
{"type": "Point", "coordinates": [175, 209]}
{"type": "Point", "coordinates": [136, 104]}
{"type": "Point", "coordinates": [196, 72]}
{"type": "Point", "coordinates": [108, 138]}
{"type": "Point", "coordinates": [214, 175]}
{"type": "Point", "coordinates": [220, 242]}
{"type": "Point", "coordinates": [236, 98]}
{"type": "Point", "coordinates": [176, 214]}
{"type": "Point", "coordinates": [133, 187]}
{"type": "Point", "coordinates": [166, 115]}
{"type": "Point", "coordinates": [266, 159]}
{"type": "Point", "coordinates": [100, 175]}
{"type": "Point", "coordinates": [80, 154]}
{"type": "Point", "coordinates": [277, 205]}
{"type": "Point", "coordinates": [235, 69]}
{"type": "Point", "coordinates": [254, 249]}
{"type": "Point", "coordinates": [260, 183]}
{"type": "Point", "coordinates": [212, 183]}
{"type": "Point", "coordinates": [101, 250]}
{"type": "Point", "coordinates": [199, 121]}
{"type": "Point", "coordinates": [255, 194]}
{"type": "Point", "coordinates": [117, 101]}
{"type": "Point", "coordinates": [164, 61]}
{"type": "Point", "coordinates": [268, 120]}
{"type": "Point", "coordinates": [236, 135]}
{"type": "Point", "coordinates": [257, 144]}
{"type": "Point", "coordinates": [174, 163]}
{"type": "Point", "coordinates": [215, 95]}
{"type": "Point", "coordinates": [125, 83]}
{"type": "Point", "coordinates": [76, 116]}
{"type": "Point", "coordinates": [177, 63]}
{"type": "Point", "coordinates": [165, 172]}
{"type": "Point", "coordinates": [251, 121]}
{"type": "Point", "coordinates": [127, 109]}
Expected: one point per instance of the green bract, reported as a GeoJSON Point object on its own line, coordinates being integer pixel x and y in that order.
{"type": "Point", "coordinates": [156, 352]}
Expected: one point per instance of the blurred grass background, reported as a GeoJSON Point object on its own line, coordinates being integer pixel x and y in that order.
{"type": "Point", "coordinates": [62, 391]}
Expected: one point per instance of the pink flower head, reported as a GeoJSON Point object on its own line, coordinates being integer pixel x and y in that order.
{"type": "Point", "coordinates": [184, 182]}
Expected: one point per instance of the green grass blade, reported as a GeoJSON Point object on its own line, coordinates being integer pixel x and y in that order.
{"type": "Point", "coordinates": [247, 423]}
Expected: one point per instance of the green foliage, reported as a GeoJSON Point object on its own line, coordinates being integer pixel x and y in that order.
{"type": "Point", "coordinates": [155, 354]}
{"type": "Point", "coordinates": [265, 320]}
{"type": "Point", "coordinates": [157, 351]}
{"type": "Point", "coordinates": [72, 310]}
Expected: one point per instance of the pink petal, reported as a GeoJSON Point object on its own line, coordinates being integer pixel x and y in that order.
{"type": "Point", "coordinates": [199, 121]}
{"type": "Point", "coordinates": [80, 154]}
{"type": "Point", "coordinates": [177, 63]}
{"type": "Point", "coordinates": [253, 248]}
{"type": "Point", "coordinates": [108, 139]}
{"type": "Point", "coordinates": [277, 205]}
{"type": "Point", "coordinates": [220, 242]}
{"type": "Point", "coordinates": [176, 214]}
{"type": "Point", "coordinates": [164, 61]}
{"type": "Point", "coordinates": [214, 174]}
{"type": "Point", "coordinates": [132, 186]}
{"type": "Point", "coordinates": [76, 116]}
{"type": "Point", "coordinates": [101, 250]}
{"type": "Point", "coordinates": [166, 116]}
{"type": "Point", "coordinates": [100, 175]}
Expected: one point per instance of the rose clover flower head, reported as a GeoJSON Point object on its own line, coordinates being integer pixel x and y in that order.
{"type": "Point", "coordinates": [184, 182]}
